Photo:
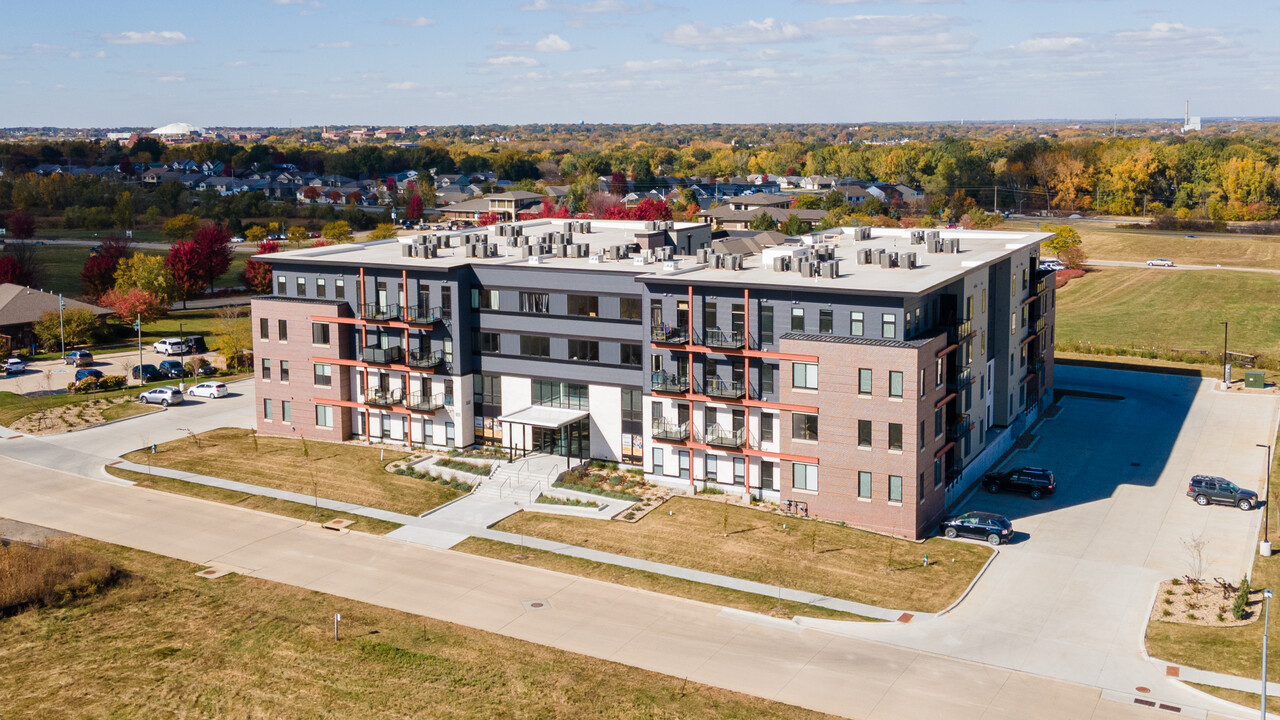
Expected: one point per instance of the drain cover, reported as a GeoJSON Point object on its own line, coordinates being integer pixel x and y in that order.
{"type": "Point", "coordinates": [536, 604]}
{"type": "Point", "coordinates": [1143, 690]}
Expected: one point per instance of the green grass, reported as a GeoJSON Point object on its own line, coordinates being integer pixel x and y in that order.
{"type": "Point", "coordinates": [62, 265]}
{"type": "Point", "coordinates": [1158, 308]}
{"type": "Point", "coordinates": [252, 502]}
{"type": "Point", "coordinates": [653, 582]}
{"type": "Point", "coordinates": [570, 502]}
{"type": "Point", "coordinates": [145, 235]}
{"type": "Point", "coordinates": [463, 466]}
{"type": "Point", "coordinates": [14, 406]}
{"type": "Point", "coordinates": [1247, 699]}
{"type": "Point", "coordinates": [126, 410]}
{"type": "Point", "coordinates": [163, 642]}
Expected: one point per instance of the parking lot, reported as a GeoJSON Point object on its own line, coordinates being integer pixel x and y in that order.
{"type": "Point", "coordinates": [1069, 598]}
{"type": "Point", "coordinates": [47, 375]}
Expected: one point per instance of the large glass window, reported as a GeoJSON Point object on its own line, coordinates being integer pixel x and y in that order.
{"type": "Point", "coordinates": [632, 410]}
{"type": "Point", "coordinates": [797, 319]}
{"type": "Point", "coordinates": [895, 384]}
{"type": "Point", "coordinates": [864, 484]}
{"type": "Point", "coordinates": [487, 389]}
{"type": "Point", "coordinates": [323, 375]}
{"type": "Point", "coordinates": [584, 350]}
{"type": "Point", "coordinates": [489, 342]}
{"type": "Point", "coordinates": [560, 394]}
{"type": "Point", "coordinates": [804, 426]}
{"type": "Point", "coordinates": [895, 488]}
{"type": "Point", "coordinates": [804, 476]}
{"type": "Point", "coordinates": [864, 381]}
{"type": "Point", "coordinates": [324, 416]}
{"type": "Point", "coordinates": [629, 308]}
{"type": "Point", "coordinates": [630, 354]}
{"type": "Point", "coordinates": [534, 302]}
{"type": "Point", "coordinates": [484, 299]}
{"type": "Point", "coordinates": [535, 346]}
{"type": "Point", "coordinates": [584, 305]}
{"type": "Point", "coordinates": [320, 333]}
{"type": "Point", "coordinates": [804, 375]}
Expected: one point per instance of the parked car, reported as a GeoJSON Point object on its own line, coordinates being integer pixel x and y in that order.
{"type": "Point", "coordinates": [1035, 482]}
{"type": "Point", "coordinates": [209, 390]}
{"type": "Point", "coordinates": [149, 373]}
{"type": "Point", "coordinates": [174, 369]}
{"type": "Point", "coordinates": [1208, 489]}
{"type": "Point", "coordinates": [1052, 265]}
{"type": "Point", "coordinates": [169, 346]}
{"type": "Point", "coordinates": [206, 370]}
{"type": "Point", "coordinates": [14, 366]}
{"type": "Point", "coordinates": [994, 528]}
{"type": "Point", "coordinates": [1160, 262]}
{"type": "Point", "coordinates": [237, 239]}
{"type": "Point", "coordinates": [88, 373]}
{"type": "Point", "coordinates": [79, 358]}
{"type": "Point", "coordinates": [195, 345]}
{"type": "Point", "coordinates": [165, 396]}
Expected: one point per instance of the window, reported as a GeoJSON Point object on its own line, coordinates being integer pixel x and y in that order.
{"type": "Point", "coordinates": [320, 333]}
{"type": "Point", "coordinates": [340, 288]}
{"type": "Point", "coordinates": [266, 409]}
{"type": "Point", "coordinates": [864, 433]}
{"type": "Point", "coordinates": [682, 457]}
{"type": "Point", "coordinates": [282, 285]}
{"type": "Point", "coordinates": [864, 381]}
{"type": "Point", "coordinates": [560, 394]}
{"type": "Point", "coordinates": [895, 384]}
{"type": "Point", "coordinates": [864, 485]}
{"type": "Point", "coordinates": [534, 302]}
{"type": "Point", "coordinates": [584, 350]}
{"type": "Point", "coordinates": [937, 423]}
{"type": "Point", "coordinates": [766, 476]}
{"type": "Point", "coordinates": [320, 289]}
{"type": "Point", "coordinates": [895, 436]}
{"type": "Point", "coordinates": [797, 320]}
{"type": "Point", "coordinates": [490, 342]}
{"type": "Point", "coordinates": [804, 426]}
{"type": "Point", "coordinates": [322, 375]}
{"type": "Point", "coordinates": [324, 416]}
{"type": "Point", "coordinates": [264, 329]}
{"type": "Point", "coordinates": [804, 375]}
{"type": "Point", "coordinates": [739, 471]}
{"type": "Point", "coordinates": [804, 476]}
{"type": "Point", "coordinates": [302, 286]}
{"type": "Point", "coordinates": [657, 461]}
{"type": "Point", "coordinates": [266, 369]}
{"type": "Point", "coordinates": [630, 354]}
{"type": "Point", "coordinates": [766, 426]}
{"type": "Point", "coordinates": [284, 371]}
{"type": "Point", "coordinates": [938, 372]}
{"type": "Point", "coordinates": [283, 327]}
{"type": "Point", "coordinates": [767, 371]}
{"type": "Point", "coordinates": [632, 410]}
{"type": "Point", "coordinates": [487, 389]}
{"type": "Point", "coordinates": [766, 324]}
{"type": "Point", "coordinates": [286, 411]}
{"type": "Point", "coordinates": [921, 436]}
{"type": "Point", "coordinates": [709, 316]}
{"type": "Point", "coordinates": [824, 322]}
{"type": "Point", "coordinates": [584, 305]}
{"type": "Point", "coordinates": [710, 465]}
{"type": "Point", "coordinates": [535, 346]}
{"type": "Point", "coordinates": [895, 488]}
{"type": "Point", "coordinates": [855, 323]}
{"type": "Point", "coordinates": [889, 326]}
{"type": "Point", "coordinates": [629, 308]}
{"type": "Point", "coordinates": [921, 384]}
{"type": "Point", "coordinates": [484, 299]}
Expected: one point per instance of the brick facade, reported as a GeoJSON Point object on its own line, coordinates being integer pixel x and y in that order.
{"type": "Point", "coordinates": [302, 355]}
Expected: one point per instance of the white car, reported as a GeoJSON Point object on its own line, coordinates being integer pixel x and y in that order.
{"type": "Point", "coordinates": [1160, 262]}
{"type": "Point", "coordinates": [170, 346]}
{"type": "Point", "coordinates": [165, 396]}
{"type": "Point", "coordinates": [14, 366]}
{"type": "Point", "coordinates": [209, 390]}
{"type": "Point", "coordinates": [237, 239]}
{"type": "Point", "coordinates": [1052, 265]}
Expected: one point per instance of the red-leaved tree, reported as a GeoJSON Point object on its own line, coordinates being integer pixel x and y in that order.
{"type": "Point", "coordinates": [214, 242]}
{"type": "Point", "coordinates": [126, 165]}
{"type": "Point", "coordinates": [618, 184]}
{"type": "Point", "coordinates": [21, 225]}
{"type": "Point", "coordinates": [488, 218]}
{"type": "Point", "coordinates": [647, 209]}
{"type": "Point", "coordinates": [257, 273]}
{"type": "Point", "coordinates": [134, 302]}
{"type": "Point", "coordinates": [99, 273]}
{"type": "Point", "coordinates": [415, 207]}
{"type": "Point", "coordinates": [197, 262]}
{"type": "Point", "coordinates": [13, 271]}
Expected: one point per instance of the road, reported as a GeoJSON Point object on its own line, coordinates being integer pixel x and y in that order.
{"type": "Point", "coordinates": [251, 248]}
{"type": "Point", "coordinates": [51, 375]}
{"type": "Point", "coordinates": [1135, 264]}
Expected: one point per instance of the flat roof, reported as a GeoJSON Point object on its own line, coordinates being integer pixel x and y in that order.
{"type": "Point", "coordinates": [977, 249]}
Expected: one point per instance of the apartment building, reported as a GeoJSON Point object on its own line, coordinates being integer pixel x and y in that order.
{"type": "Point", "coordinates": [856, 374]}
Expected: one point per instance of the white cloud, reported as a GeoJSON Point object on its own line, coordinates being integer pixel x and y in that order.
{"type": "Point", "coordinates": [21, 82]}
{"type": "Point", "coordinates": [772, 30]}
{"type": "Point", "coordinates": [513, 61]}
{"type": "Point", "coordinates": [764, 31]}
{"type": "Point", "coordinates": [171, 79]}
{"type": "Point", "coordinates": [419, 21]}
{"type": "Point", "coordinates": [444, 94]}
{"type": "Point", "coordinates": [100, 54]}
{"type": "Point", "coordinates": [1051, 44]}
{"type": "Point", "coordinates": [596, 6]}
{"type": "Point", "coordinates": [151, 37]}
{"type": "Point", "coordinates": [1176, 39]}
{"type": "Point", "coordinates": [552, 43]}
{"type": "Point", "coordinates": [406, 85]}
{"type": "Point", "coordinates": [236, 63]}
{"type": "Point", "coordinates": [339, 44]}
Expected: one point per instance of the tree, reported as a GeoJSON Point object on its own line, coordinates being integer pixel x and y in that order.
{"type": "Point", "coordinates": [148, 273]}
{"type": "Point", "coordinates": [339, 231]}
{"type": "Point", "coordinates": [793, 225]}
{"type": "Point", "coordinates": [256, 234]}
{"type": "Point", "coordinates": [807, 202]}
{"type": "Point", "coordinates": [384, 231]}
{"type": "Point", "coordinates": [618, 184]}
{"type": "Point", "coordinates": [21, 225]}
{"type": "Point", "coordinates": [1064, 238]}
{"type": "Point", "coordinates": [126, 165]}
{"type": "Point", "coordinates": [311, 192]}
{"type": "Point", "coordinates": [762, 222]}
{"type": "Point", "coordinates": [124, 210]}
{"type": "Point", "coordinates": [135, 302]}
{"type": "Point", "coordinates": [257, 273]}
{"type": "Point", "coordinates": [1073, 257]}
{"type": "Point", "coordinates": [189, 275]}
{"type": "Point", "coordinates": [99, 273]}
{"type": "Point", "coordinates": [179, 227]}
{"type": "Point", "coordinates": [76, 326]}
{"type": "Point", "coordinates": [295, 235]}
{"type": "Point", "coordinates": [232, 338]}
{"type": "Point", "coordinates": [12, 271]}
{"type": "Point", "coordinates": [214, 242]}
{"type": "Point", "coordinates": [415, 207]}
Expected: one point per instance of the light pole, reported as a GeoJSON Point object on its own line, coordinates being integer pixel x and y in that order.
{"type": "Point", "coordinates": [1226, 368]}
{"type": "Point", "coordinates": [1266, 618]}
{"type": "Point", "coordinates": [182, 381]}
{"type": "Point", "coordinates": [1266, 505]}
{"type": "Point", "coordinates": [62, 331]}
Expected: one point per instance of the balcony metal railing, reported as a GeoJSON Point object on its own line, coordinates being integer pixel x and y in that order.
{"type": "Point", "coordinates": [718, 436]}
{"type": "Point", "coordinates": [963, 329]}
{"type": "Point", "coordinates": [383, 398]}
{"type": "Point", "coordinates": [960, 381]}
{"type": "Point", "coordinates": [958, 426]}
{"type": "Point", "coordinates": [424, 402]}
{"type": "Point", "coordinates": [1043, 284]}
{"type": "Point", "coordinates": [724, 339]}
{"type": "Point", "coordinates": [421, 314]}
{"type": "Point", "coordinates": [379, 313]}
{"type": "Point", "coordinates": [1039, 325]}
{"type": "Point", "coordinates": [381, 355]}
{"type": "Point", "coordinates": [717, 388]}
{"type": "Point", "coordinates": [425, 359]}
{"type": "Point", "coordinates": [670, 335]}
{"type": "Point", "coordinates": [667, 430]}
{"type": "Point", "coordinates": [668, 383]}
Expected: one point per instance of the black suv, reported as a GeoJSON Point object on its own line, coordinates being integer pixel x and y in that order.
{"type": "Point", "coordinates": [174, 369]}
{"type": "Point", "coordinates": [995, 529]}
{"type": "Point", "coordinates": [1035, 482]}
{"type": "Point", "coordinates": [150, 373]}
{"type": "Point", "coordinates": [1209, 489]}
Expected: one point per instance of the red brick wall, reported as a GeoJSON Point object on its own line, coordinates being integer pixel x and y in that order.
{"type": "Point", "coordinates": [299, 351]}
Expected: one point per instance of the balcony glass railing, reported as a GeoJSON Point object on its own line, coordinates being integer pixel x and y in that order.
{"type": "Point", "coordinates": [421, 314]}
{"type": "Point", "coordinates": [666, 382]}
{"type": "Point", "coordinates": [717, 388]}
{"type": "Point", "coordinates": [380, 313]}
{"type": "Point", "coordinates": [383, 398]}
{"type": "Point", "coordinates": [720, 437]}
{"type": "Point", "coordinates": [381, 355]}
{"type": "Point", "coordinates": [425, 359]}
{"type": "Point", "coordinates": [958, 426]}
{"type": "Point", "coordinates": [963, 329]}
{"type": "Point", "coordinates": [667, 430]}
{"type": "Point", "coordinates": [725, 339]}
{"type": "Point", "coordinates": [960, 381]}
{"type": "Point", "coordinates": [1039, 326]}
{"type": "Point", "coordinates": [670, 335]}
{"type": "Point", "coordinates": [424, 402]}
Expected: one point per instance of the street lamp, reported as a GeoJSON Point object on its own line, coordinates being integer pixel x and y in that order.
{"type": "Point", "coordinates": [182, 381]}
{"type": "Point", "coordinates": [1266, 618]}
{"type": "Point", "coordinates": [1226, 367]}
{"type": "Point", "coordinates": [1266, 505]}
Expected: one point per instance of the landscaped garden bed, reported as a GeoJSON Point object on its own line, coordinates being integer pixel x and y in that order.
{"type": "Point", "coordinates": [1208, 604]}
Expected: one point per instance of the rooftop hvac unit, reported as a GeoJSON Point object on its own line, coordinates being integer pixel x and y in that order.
{"type": "Point", "coordinates": [517, 231]}
{"type": "Point", "coordinates": [862, 233]}
{"type": "Point", "coordinates": [568, 237]}
{"type": "Point", "coordinates": [561, 250]}
{"type": "Point", "coordinates": [596, 259]}
{"type": "Point", "coordinates": [666, 252]}
{"type": "Point", "coordinates": [931, 235]}
{"type": "Point", "coordinates": [828, 270]}
{"type": "Point", "coordinates": [909, 261]}
{"type": "Point", "coordinates": [471, 250]}
{"type": "Point", "coordinates": [408, 251]}
{"type": "Point", "coordinates": [585, 226]}
{"type": "Point", "coordinates": [877, 256]}
{"type": "Point", "coordinates": [641, 260]}
{"type": "Point", "coordinates": [863, 256]}
{"type": "Point", "coordinates": [917, 237]}
{"type": "Point", "coordinates": [734, 262]}
{"type": "Point", "coordinates": [952, 245]}
{"type": "Point", "coordinates": [807, 269]}
{"type": "Point", "coordinates": [432, 251]}
{"type": "Point", "coordinates": [893, 259]}
{"type": "Point", "coordinates": [525, 251]}
{"type": "Point", "coordinates": [886, 261]}
{"type": "Point", "coordinates": [703, 254]}
{"type": "Point", "coordinates": [535, 259]}
{"type": "Point", "coordinates": [782, 264]}
{"type": "Point", "coordinates": [500, 230]}
{"type": "Point", "coordinates": [670, 264]}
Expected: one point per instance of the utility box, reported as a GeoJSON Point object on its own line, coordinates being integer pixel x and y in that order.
{"type": "Point", "coordinates": [1254, 379]}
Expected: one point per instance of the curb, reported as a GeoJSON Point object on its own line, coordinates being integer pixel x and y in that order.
{"type": "Point", "coordinates": [113, 422]}
{"type": "Point", "coordinates": [994, 554]}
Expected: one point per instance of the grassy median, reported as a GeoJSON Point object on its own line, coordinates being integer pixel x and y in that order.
{"type": "Point", "coordinates": [163, 642]}
{"type": "Point", "coordinates": [746, 543]}
{"type": "Point", "coordinates": [337, 471]}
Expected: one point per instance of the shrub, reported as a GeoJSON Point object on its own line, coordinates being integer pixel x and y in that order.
{"type": "Point", "coordinates": [79, 387]}
{"type": "Point", "coordinates": [112, 382]}
{"type": "Point", "coordinates": [710, 491]}
{"type": "Point", "coordinates": [50, 576]}
{"type": "Point", "coordinates": [1240, 606]}
{"type": "Point", "coordinates": [1167, 613]}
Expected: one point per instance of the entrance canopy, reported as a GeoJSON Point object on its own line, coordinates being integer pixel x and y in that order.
{"type": "Point", "coordinates": [542, 416]}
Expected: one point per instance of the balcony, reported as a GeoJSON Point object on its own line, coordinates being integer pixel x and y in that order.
{"type": "Point", "coordinates": [963, 330]}
{"type": "Point", "coordinates": [425, 359]}
{"type": "Point", "coordinates": [669, 431]}
{"type": "Point", "coordinates": [668, 383]}
{"type": "Point", "coordinates": [667, 335]}
{"type": "Point", "coordinates": [382, 356]}
{"type": "Point", "coordinates": [379, 313]}
{"type": "Point", "coordinates": [383, 398]}
{"type": "Point", "coordinates": [421, 315]}
{"type": "Point", "coordinates": [1039, 325]}
{"type": "Point", "coordinates": [717, 388]}
{"type": "Point", "coordinates": [960, 381]}
{"type": "Point", "coordinates": [958, 426]}
{"type": "Point", "coordinates": [424, 402]}
{"type": "Point", "coordinates": [724, 339]}
{"type": "Point", "coordinates": [720, 437]}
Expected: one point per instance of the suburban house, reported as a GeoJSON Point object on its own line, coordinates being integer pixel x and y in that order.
{"type": "Point", "coordinates": [21, 307]}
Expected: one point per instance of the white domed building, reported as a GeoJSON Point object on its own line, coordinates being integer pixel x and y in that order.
{"type": "Point", "coordinates": [179, 130]}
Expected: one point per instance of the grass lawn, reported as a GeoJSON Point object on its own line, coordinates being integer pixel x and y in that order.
{"type": "Point", "coordinates": [253, 502]}
{"type": "Point", "coordinates": [127, 410]}
{"type": "Point", "coordinates": [808, 555]}
{"type": "Point", "coordinates": [349, 473]}
{"type": "Point", "coordinates": [1102, 242]}
{"type": "Point", "coordinates": [63, 264]}
{"type": "Point", "coordinates": [664, 584]}
{"type": "Point", "coordinates": [146, 235]}
{"type": "Point", "coordinates": [14, 405]}
{"type": "Point", "coordinates": [163, 642]}
{"type": "Point", "coordinates": [1155, 307]}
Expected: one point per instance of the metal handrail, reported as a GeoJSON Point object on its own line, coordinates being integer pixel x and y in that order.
{"type": "Point", "coordinates": [424, 358]}
{"type": "Point", "coordinates": [421, 314]}
{"type": "Point", "coordinates": [716, 435]}
{"type": "Point", "coordinates": [715, 387]}
{"type": "Point", "coordinates": [381, 355]}
{"type": "Point", "coordinates": [424, 402]}
{"type": "Point", "coordinates": [667, 382]}
{"type": "Point", "coordinates": [376, 312]}
{"type": "Point", "coordinates": [723, 339]}
{"type": "Point", "coordinates": [665, 333]}
{"type": "Point", "coordinates": [383, 398]}
{"type": "Point", "coordinates": [667, 430]}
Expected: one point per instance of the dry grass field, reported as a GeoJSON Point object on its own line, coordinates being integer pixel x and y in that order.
{"type": "Point", "coordinates": [1103, 242]}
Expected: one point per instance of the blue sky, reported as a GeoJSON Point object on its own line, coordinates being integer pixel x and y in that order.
{"type": "Point", "coordinates": [310, 62]}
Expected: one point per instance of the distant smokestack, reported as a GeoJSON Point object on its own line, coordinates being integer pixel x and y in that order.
{"type": "Point", "coordinates": [1186, 120]}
